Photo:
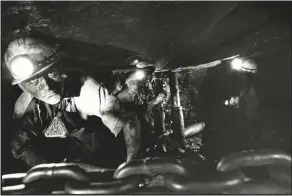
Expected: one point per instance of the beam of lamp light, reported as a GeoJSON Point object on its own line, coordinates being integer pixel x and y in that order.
{"type": "Point", "coordinates": [22, 67]}
{"type": "Point", "coordinates": [237, 64]}
{"type": "Point", "coordinates": [139, 75]}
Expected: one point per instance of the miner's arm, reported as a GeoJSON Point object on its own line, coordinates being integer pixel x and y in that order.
{"type": "Point", "coordinates": [127, 122]}
{"type": "Point", "coordinates": [95, 100]}
{"type": "Point", "coordinates": [24, 136]}
{"type": "Point", "coordinates": [23, 143]}
{"type": "Point", "coordinates": [132, 135]}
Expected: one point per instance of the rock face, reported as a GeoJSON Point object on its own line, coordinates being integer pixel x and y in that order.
{"type": "Point", "coordinates": [181, 33]}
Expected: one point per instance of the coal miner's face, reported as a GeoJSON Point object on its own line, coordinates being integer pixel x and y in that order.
{"type": "Point", "coordinates": [47, 86]}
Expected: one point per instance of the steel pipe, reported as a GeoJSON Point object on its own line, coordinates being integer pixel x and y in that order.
{"type": "Point", "coordinates": [193, 129]}
{"type": "Point", "coordinates": [178, 118]}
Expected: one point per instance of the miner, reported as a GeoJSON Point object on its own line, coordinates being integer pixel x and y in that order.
{"type": "Point", "coordinates": [247, 99]}
{"type": "Point", "coordinates": [58, 116]}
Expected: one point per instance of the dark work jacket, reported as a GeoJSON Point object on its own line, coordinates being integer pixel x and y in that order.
{"type": "Point", "coordinates": [85, 139]}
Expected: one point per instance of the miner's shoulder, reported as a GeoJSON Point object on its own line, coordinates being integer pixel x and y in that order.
{"type": "Point", "coordinates": [23, 104]}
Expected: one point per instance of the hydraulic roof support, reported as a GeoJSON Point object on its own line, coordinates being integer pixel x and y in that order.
{"type": "Point", "coordinates": [177, 111]}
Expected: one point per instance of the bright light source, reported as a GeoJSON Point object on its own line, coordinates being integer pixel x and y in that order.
{"type": "Point", "coordinates": [141, 65]}
{"type": "Point", "coordinates": [237, 64]}
{"type": "Point", "coordinates": [135, 61]}
{"type": "Point", "coordinates": [226, 102]}
{"type": "Point", "coordinates": [22, 67]}
{"type": "Point", "coordinates": [139, 75]}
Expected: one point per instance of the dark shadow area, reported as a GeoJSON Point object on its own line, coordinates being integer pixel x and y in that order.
{"type": "Point", "coordinates": [231, 129]}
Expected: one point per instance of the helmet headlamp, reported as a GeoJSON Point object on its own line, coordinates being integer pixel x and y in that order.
{"type": "Point", "coordinates": [26, 57]}
{"type": "Point", "coordinates": [22, 67]}
{"type": "Point", "coordinates": [237, 64]}
{"type": "Point", "coordinates": [244, 65]}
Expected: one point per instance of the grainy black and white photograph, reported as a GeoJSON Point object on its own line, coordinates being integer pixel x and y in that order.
{"type": "Point", "coordinates": [145, 97]}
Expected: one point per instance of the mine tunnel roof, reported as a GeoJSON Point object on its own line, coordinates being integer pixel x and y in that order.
{"type": "Point", "coordinates": [169, 33]}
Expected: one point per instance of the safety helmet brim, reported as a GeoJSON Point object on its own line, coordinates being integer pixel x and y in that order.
{"type": "Point", "coordinates": [17, 81]}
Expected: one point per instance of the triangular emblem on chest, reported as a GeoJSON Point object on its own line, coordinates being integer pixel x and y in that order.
{"type": "Point", "coordinates": [56, 129]}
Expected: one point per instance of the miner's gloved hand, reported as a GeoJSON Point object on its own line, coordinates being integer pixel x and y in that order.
{"type": "Point", "coordinates": [94, 99]}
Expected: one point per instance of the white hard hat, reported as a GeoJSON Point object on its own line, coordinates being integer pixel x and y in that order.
{"type": "Point", "coordinates": [26, 57]}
